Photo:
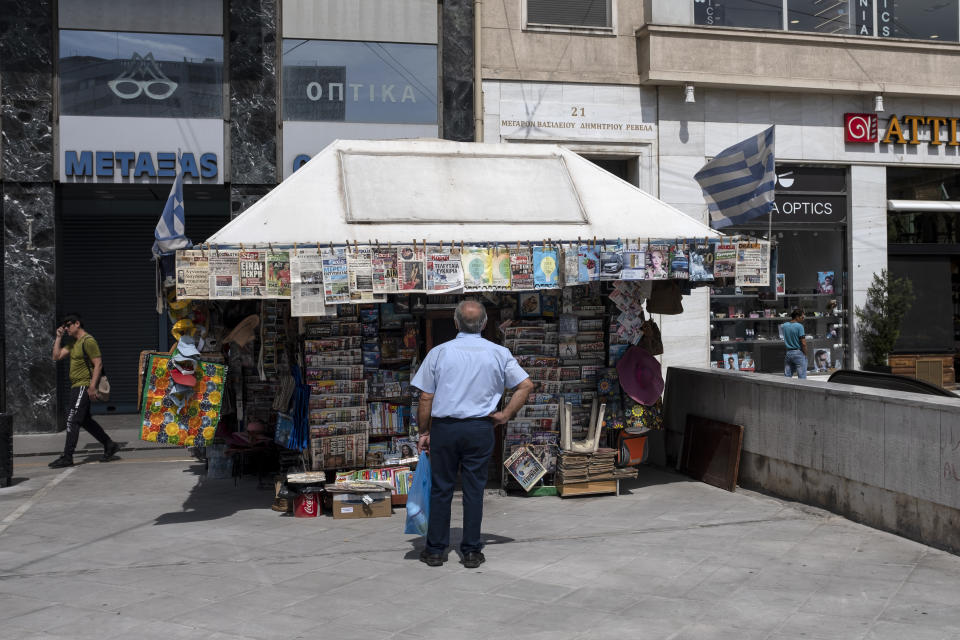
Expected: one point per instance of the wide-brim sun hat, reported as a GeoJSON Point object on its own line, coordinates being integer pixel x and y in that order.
{"type": "Point", "coordinates": [640, 375]}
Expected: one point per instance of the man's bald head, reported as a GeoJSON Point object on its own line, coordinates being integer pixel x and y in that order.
{"type": "Point", "coordinates": [470, 316]}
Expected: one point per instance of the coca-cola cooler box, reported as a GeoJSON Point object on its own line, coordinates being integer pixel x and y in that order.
{"type": "Point", "coordinates": [307, 505]}
{"type": "Point", "coordinates": [371, 504]}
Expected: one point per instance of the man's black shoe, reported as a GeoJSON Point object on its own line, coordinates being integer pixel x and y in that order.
{"type": "Point", "coordinates": [432, 559]}
{"type": "Point", "coordinates": [61, 462]}
{"type": "Point", "coordinates": [109, 451]}
{"type": "Point", "coordinates": [473, 559]}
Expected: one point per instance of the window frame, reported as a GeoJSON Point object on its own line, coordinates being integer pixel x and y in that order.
{"type": "Point", "coordinates": [611, 30]}
{"type": "Point", "coordinates": [875, 34]}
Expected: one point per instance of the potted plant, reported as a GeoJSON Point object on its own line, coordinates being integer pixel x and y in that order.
{"type": "Point", "coordinates": [888, 300]}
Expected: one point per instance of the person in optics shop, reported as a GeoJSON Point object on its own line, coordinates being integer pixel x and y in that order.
{"type": "Point", "coordinates": [794, 338]}
{"type": "Point", "coordinates": [461, 382]}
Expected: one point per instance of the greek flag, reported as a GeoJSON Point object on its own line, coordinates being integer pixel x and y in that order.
{"type": "Point", "coordinates": [738, 184]}
{"type": "Point", "coordinates": [169, 232]}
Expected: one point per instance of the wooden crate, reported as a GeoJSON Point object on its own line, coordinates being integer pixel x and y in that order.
{"type": "Point", "coordinates": [589, 488]}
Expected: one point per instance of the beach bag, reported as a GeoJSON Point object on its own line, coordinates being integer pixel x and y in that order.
{"type": "Point", "coordinates": [418, 498]}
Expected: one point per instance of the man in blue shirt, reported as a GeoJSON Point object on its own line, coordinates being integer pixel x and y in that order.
{"type": "Point", "coordinates": [461, 382]}
{"type": "Point", "coordinates": [794, 337]}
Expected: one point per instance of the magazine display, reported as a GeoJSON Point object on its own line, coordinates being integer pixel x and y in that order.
{"type": "Point", "coordinates": [477, 269]}
{"type": "Point", "coordinates": [525, 467]}
{"type": "Point", "coordinates": [679, 262]}
{"type": "Point", "coordinates": [500, 269]}
{"type": "Point", "coordinates": [701, 262]}
{"type": "Point", "coordinates": [634, 261]}
{"type": "Point", "coordinates": [411, 268]}
{"type": "Point", "coordinates": [384, 270]}
{"type": "Point", "coordinates": [658, 261]}
{"type": "Point", "coordinates": [545, 268]}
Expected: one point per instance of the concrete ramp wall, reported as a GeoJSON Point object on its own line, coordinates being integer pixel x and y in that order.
{"type": "Point", "coordinates": [887, 459]}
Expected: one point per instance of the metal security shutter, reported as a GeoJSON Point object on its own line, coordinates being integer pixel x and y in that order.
{"type": "Point", "coordinates": [105, 274]}
{"type": "Point", "coordinates": [573, 13]}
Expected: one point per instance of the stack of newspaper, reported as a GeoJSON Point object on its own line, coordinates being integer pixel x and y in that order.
{"type": "Point", "coordinates": [586, 467]}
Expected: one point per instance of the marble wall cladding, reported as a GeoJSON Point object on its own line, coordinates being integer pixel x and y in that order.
{"type": "Point", "coordinates": [26, 66]}
{"type": "Point", "coordinates": [457, 70]}
{"type": "Point", "coordinates": [253, 91]}
{"type": "Point", "coordinates": [244, 195]}
{"type": "Point", "coordinates": [29, 257]}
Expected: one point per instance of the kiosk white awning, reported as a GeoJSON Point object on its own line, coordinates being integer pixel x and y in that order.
{"type": "Point", "coordinates": [398, 191]}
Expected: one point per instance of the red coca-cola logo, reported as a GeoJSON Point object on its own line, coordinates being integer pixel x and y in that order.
{"type": "Point", "coordinates": [860, 127]}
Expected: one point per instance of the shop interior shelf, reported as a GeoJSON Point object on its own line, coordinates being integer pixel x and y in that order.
{"type": "Point", "coordinates": [777, 319]}
{"type": "Point", "coordinates": [773, 340]}
{"type": "Point", "coordinates": [721, 296]}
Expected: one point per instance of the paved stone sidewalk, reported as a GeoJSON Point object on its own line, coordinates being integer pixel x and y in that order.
{"type": "Point", "coordinates": [146, 547]}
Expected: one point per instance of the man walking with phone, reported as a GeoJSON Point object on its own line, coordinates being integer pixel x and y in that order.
{"type": "Point", "coordinates": [86, 367]}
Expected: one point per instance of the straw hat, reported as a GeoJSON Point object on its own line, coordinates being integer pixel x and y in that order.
{"type": "Point", "coordinates": [244, 332]}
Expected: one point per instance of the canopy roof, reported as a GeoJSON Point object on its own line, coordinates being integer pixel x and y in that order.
{"type": "Point", "coordinates": [398, 191]}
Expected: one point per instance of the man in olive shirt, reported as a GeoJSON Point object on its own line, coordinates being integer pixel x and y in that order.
{"type": "Point", "coordinates": [86, 366]}
{"type": "Point", "coordinates": [794, 338]}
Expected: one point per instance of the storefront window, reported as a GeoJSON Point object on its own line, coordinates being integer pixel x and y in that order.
{"type": "Point", "coordinates": [326, 80]}
{"type": "Point", "coordinates": [921, 19]}
{"type": "Point", "coordinates": [758, 14]}
{"type": "Point", "coordinates": [935, 20]}
{"type": "Point", "coordinates": [927, 206]}
{"type": "Point", "coordinates": [809, 234]}
{"type": "Point", "coordinates": [851, 17]}
{"type": "Point", "coordinates": [104, 73]}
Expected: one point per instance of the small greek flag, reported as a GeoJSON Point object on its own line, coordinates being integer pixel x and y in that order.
{"type": "Point", "coordinates": [169, 232]}
{"type": "Point", "coordinates": [738, 183]}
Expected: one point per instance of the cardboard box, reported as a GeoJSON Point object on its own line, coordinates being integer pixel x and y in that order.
{"type": "Point", "coordinates": [351, 505]}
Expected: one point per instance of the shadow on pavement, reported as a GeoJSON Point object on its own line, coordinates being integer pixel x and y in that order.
{"type": "Point", "coordinates": [212, 499]}
{"type": "Point", "coordinates": [456, 534]}
{"type": "Point", "coordinates": [649, 476]}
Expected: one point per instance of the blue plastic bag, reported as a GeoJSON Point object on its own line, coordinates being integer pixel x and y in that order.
{"type": "Point", "coordinates": [418, 498]}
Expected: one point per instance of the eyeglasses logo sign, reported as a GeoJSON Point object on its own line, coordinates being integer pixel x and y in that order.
{"type": "Point", "coordinates": [152, 80]}
{"type": "Point", "coordinates": [860, 127]}
{"type": "Point", "coordinates": [785, 179]}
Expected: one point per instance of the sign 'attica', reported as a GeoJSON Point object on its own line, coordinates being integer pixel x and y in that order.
{"type": "Point", "coordinates": [909, 129]}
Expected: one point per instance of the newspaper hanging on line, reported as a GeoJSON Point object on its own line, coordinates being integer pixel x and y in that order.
{"type": "Point", "coordinates": [306, 284]}
{"type": "Point", "coordinates": [753, 264]}
{"type": "Point", "coordinates": [725, 260]}
{"type": "Point", "coordinates": [224, 274]}
{"type": "Point", "coordinates": [193, 274]}
{"type": "Point", "coordinates": [278, 274]}
{"type": "Point", "coordinates": [545, 268]}
{"type": "Point", "coordinates": [336, 280]}
{"type": "Point", "coordinates": [384, 270]}
{"type": "Point", "coordinates": [500, 269]}
{"type": "Point", "coordinates": [253, 280]}
{"type": "Point", "coordinates": [521, 269]}
{"type": "Point", "coordinates": [477, 269]}
{"type": "Point", "coordinates": [634, 261]}
{"type": "Point", "coordinates": [444, 274]}
{"type": "Point", "coordinates": [410, 270]}
{"type": "Point", "coordinates": [360, 275]}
